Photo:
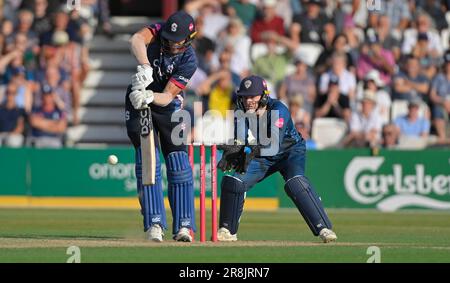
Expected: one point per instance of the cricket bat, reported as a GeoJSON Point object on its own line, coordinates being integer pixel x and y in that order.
{"type": "Point", "coordinates": [148, 152]}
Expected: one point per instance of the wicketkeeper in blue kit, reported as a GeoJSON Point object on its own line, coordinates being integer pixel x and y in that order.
{"type": "Point", "coordinates": [167, 61]}
{"type": "Point", "coordinates": [252, 166]}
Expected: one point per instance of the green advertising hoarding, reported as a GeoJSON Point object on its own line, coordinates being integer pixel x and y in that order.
{"type": "Point", "coordinates": [86, 173]}
{"type": "Point", "coordinates": [389, 181]}
{"type": "Point", "coordinates": [14, 165]}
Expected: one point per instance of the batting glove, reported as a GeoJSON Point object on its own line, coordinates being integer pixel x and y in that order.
{"type": "Point", "coordinates": [141, 99]}
{"type": "Point", "coordinates": [143, 77]}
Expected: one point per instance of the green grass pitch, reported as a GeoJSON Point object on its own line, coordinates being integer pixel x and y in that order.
{"type": "Point", "coordinates": [43, 235]}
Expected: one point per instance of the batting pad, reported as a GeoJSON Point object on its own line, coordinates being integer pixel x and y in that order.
{"type": "Point", "coordinates": [181, 190]}
{"type": "Point", "coordinates": [151, 198]}
{"type": "Point", "coordinates": [232, 198]}
{"type": "Point", "coordinates": [299, 189]}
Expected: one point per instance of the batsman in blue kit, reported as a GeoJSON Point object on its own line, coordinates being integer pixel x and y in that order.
{"type": "Point", "coordinates": [251, 166]}
{"type": "Point", "coordinates": [166, 63]}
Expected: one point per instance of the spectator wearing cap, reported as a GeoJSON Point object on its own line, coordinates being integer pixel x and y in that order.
{"type": "Point", "coordinates": [48, 123]}
{"type": "Point", "coordinates": [268, 22]}
{"type": "Point", "coordinates": [411, 84]}
{"type": "Point", "coordinates": [333, 103]}
{"type": "Point", "coordinates": [309, 26]}
{"type": "Point", "coordinates": [423, 26]}
{"type": "Point", "coordinates": [428, 62]}
{"type": "Point", "coordinates": [300, 83]}
{"type": "Point", "coordinates": [366, 124]}
{"type": "Point", "coordinates": [340, 44]}
{"type": "Point", "coordinates": [440, 98]}
{"type": "Point", "coordinates": [374, 57]}
{"type": "Point", "coordinates": [421, 50]}
{"type": "Point", "coordinates": [373, 82]}
{"type": "Point", "coordinates": [235, 39]}
{"type": "Point", "coordinates": [12, 119]}
{"type": "Point", "coordinates": [411, 124]}
{"type": "Point", "coordinates": [243, 9]}
{"type": "Point", "coordinates": [347, 80]}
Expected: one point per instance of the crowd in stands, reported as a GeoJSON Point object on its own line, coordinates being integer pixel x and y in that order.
{"type": "Point", "coordinates": [44, 59]}
{"type": "Point", "coordinates": [380, 68]}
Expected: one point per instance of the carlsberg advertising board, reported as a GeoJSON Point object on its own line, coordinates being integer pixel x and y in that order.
{"type": "Point", "coordinates": [396, 189]}
{"type": "Point", "coordinates": [391, 181]}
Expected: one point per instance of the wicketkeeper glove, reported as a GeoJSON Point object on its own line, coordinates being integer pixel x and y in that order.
{"type": "Point", "coordinates": [230, 157]}
{"type": "Point", "coordinates": [249, 152]}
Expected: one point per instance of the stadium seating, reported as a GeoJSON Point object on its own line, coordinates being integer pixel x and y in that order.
{"type": "Point", "coordinates": [328, 132]}
{"type": "Point", "coordinates": [400, 107]}
{"type": "Point", "coordinates": [407, 142]}
{"type": "Point", "coordinates": [309, 53]}
{"type": "Point", "coordinates": [102, 134]}
{"type": "Point", "coordinates": [103, 94]}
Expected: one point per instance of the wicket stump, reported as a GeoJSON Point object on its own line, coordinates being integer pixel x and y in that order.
{"type": "Point", "coordinates": [213, 176]}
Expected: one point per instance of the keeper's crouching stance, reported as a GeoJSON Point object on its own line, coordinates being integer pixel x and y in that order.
{"type": "Point", "coordinates": [254, 167]}
{"type": "Point", "coordinates": [167, 62]}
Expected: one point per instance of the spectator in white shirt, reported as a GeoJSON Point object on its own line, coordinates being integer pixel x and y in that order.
{"type": "Point", "coordinates": [365, 125]}
{"type": "Point", "coordinates": [372, 81]}
{"type": "Point", "coordinates": [423, 26]}
{"type": "Point", "coordinates": [347, 80]}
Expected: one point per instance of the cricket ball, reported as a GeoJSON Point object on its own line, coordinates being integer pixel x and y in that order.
{"type": "Point", "coordinates": [112, 159]}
